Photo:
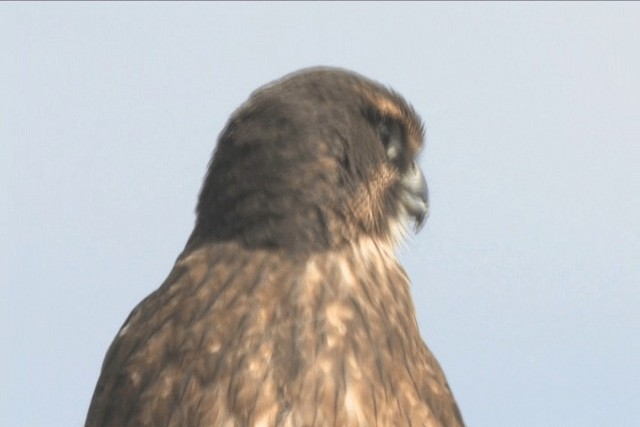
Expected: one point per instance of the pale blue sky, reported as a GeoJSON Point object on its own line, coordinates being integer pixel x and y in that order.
{"type": "Point", "coordinates": [526, 277]}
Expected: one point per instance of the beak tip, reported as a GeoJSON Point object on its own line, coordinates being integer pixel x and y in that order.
{"type": "Point", "coordinates": [420, 220]}
{"type": "Point", "coordinates": [416, 196]}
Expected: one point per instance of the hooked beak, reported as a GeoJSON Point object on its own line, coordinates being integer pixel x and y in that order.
{"type": "Point", "coordinates": [415, 195]}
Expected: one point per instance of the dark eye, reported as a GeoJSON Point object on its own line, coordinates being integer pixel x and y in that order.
{"type": "Point", "coordinates": [391, 136]}
{"type": "Point", "coordinates": [385, 133]}
{"type": "Point", "coordinates": [390, 133]}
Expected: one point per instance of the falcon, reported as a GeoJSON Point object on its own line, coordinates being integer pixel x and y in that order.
{"type": "Point", "coordinates": [287, 306]}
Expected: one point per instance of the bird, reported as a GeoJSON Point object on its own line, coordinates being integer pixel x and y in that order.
{"type": "Point", "coordinates": [288, 305]}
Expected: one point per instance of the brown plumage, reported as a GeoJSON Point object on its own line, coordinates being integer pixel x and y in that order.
{"type": "Point", "coordinates": [288, 307]}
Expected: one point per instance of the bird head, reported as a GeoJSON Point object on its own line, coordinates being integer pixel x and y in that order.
{"type": "Point", "coordinates": [312, 161]}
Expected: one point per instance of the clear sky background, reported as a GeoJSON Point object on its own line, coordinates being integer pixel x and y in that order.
{"type": "Point", "coordinates": [526, 277]}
